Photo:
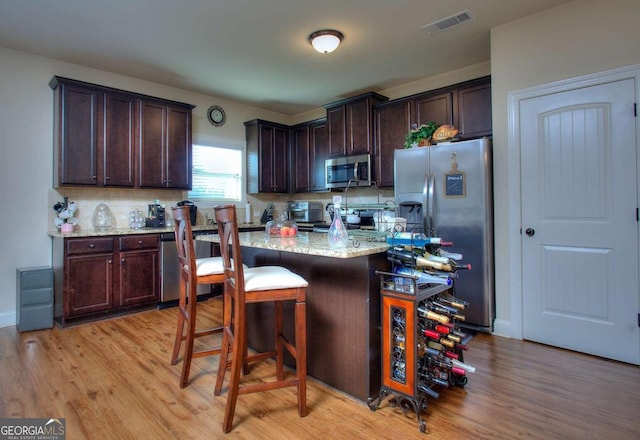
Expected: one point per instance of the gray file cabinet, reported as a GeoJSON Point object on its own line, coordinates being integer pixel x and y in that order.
{"type": "Point", "coordinates": [34, 301]}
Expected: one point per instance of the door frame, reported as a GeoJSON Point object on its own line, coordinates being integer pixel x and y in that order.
{"type": "Point", "coordinates": [514, 176]}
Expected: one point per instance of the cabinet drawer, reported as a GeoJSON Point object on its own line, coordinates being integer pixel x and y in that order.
{"type": "Point", "coordinates": [35, 318]}
{"type": "Point", "coordinates": [89, 246]}
{"type": "Point", "coordinates": [135, 242]}
{"type": "Point", "coordinates": [35, 278]}
{"type": "Point", "coordinates": [36, 296]}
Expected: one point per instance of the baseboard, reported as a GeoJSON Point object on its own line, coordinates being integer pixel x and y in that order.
{"type": "Point", "coordinates": [7, 319]}
{"type": "Point", "coordinates": [502, 328]}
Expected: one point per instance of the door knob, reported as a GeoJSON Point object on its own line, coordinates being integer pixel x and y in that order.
{"type": "Point", "coordinates": [530, 232]}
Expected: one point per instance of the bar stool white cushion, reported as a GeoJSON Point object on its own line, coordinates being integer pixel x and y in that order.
{"type": "Point", "coordinates": [271, 278]}
{"type": "Point", "coordinates": [210, 266]}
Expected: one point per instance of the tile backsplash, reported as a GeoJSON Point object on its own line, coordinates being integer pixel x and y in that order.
{"type": "Point", "coordinates": [122, 201]}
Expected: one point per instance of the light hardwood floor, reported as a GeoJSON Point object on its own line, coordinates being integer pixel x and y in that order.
{"type": "Point", "coordinates": [112, 380]}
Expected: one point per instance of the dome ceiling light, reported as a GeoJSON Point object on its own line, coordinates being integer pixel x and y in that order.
{"type": "Point", "coordinates": [326, 40]}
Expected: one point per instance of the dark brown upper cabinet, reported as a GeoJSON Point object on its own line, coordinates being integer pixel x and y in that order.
{"type": "Point", "coordinates": [466, 105]}
{"type": "Point", "coordinates": [309, 149]}
{"type": "Point", "coordinates": [350, 124]}
{"type": "Point", "coordinates": [267, 157]}
{"type": "Point", "coordinates": [437, 108]}
{"type": "Point", "coordinates": [392, 122]}
{"type": "Point", "coordinates": [474, 110]}
{"type": "Point", "coordinates": [165, 145]}
{"type": "Point", "coordinates": [97, 131]}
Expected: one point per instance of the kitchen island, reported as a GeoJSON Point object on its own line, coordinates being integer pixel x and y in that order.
{"type": "Point", "coordinates": [343, 305]}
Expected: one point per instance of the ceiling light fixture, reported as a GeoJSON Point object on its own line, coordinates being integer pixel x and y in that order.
{"type": "Point", "coordinates": [326, 40]}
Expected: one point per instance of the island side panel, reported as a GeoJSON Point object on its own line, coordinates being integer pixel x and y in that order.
{"type": "Point", "coordinates": [343, 317]}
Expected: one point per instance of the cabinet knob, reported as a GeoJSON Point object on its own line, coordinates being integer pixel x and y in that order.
{"type": "Point", "coordinates": [139, 241]}
{"type": "Point", "coordinates": [122, 260]}
{"type": "Point", "coordinates": [110, 261]}
{"type": "Point", "coordinates": [107, 178]}
{"type": "Point", "coordinates": [92, 245]}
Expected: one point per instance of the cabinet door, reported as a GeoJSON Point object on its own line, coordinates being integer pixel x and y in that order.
{"type": "Point", "coordinates": [77, 135]}
{"type": "Point", "coordinates": [89, 284]}
{"type": "Point", "coordinates": [119, 137]}
{"type": "Point", "coordinates": [265, 158]}
{"type": "Point", "coordinates": [179, 149]}
{"type": "Point", "coordinates": [300, 150]}
{"type": "Point", "coordinates": [436, 108]}
{"type": "Point", "coordinates": [358, 124]}
{"type": "Point", "coordinates": [319, 153]}
{"type": "Point", "coordinates": [272, 159]}
{"type": "Point", "coordinates": [280, 156]}
{"type": "Point", "coordinates": [152, 157]}
{"type": "Point", "coordinates": [392, 122]}
{"type": "Point", "coordinates": [474, 112]}
{"type": "Point", "coordinates": [336, 120]}
{"type": "Point", "coordinates": [139, 278]}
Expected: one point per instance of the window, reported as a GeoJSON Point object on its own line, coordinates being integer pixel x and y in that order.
{"type": "Point", "coordinates": [217, 174]}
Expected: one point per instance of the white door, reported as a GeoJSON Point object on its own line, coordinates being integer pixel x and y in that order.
{"type": "Point", "coordinates": [579, 220]}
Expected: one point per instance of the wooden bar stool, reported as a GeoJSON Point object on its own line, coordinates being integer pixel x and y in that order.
{"type": "Point", "coordinates": [255, 285]}
{"type": "Point", "coordinates": [193, 271]}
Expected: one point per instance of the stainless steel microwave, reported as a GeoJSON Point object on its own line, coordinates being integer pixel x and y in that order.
{"type": "Point", "coordinates": [348, 171]}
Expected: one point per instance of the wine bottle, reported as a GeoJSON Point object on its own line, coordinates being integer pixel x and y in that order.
{"type": "Point", "coordinates": [433, 315]}
{"type": "Point", "coordinates": [422, 387]}
{"type": "Point", "coordinates": [423, 278]}
{"type": "Point", "coordinates": [453, 302]}
{"type": "Point", "coordinates": [420, 239]}
{"type": "Point", "coordinates": [452, 255]}
{"type": "Point", "coordinates": [467, 367]}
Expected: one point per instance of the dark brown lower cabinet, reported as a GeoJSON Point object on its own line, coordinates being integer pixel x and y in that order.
{"type": "Point", "coordinates": [100, 276]}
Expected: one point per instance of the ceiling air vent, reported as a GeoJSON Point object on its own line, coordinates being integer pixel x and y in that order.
{"type": "Point", "coordinates": [448, 22]}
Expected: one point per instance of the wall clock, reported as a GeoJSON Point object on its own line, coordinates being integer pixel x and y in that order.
{"type": "Point", "coordinates": [216, 115]}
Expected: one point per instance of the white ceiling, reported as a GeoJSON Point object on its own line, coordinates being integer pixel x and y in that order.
{"type": "Point", "coordinates": [255, 51]}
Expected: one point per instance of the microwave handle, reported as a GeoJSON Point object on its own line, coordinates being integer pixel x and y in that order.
{"type": "Point", "coordinates": [355, 171]}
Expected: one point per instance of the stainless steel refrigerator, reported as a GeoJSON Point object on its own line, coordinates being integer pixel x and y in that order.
{"type": "Point", "coordinates": [446, 191]}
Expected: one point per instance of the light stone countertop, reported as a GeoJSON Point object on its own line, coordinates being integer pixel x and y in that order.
{"type": "Point", "coordinates": [310, 243]}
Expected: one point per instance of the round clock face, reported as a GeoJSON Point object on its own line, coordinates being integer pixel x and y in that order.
{"type": "Point", "coordinates": [216, 115]}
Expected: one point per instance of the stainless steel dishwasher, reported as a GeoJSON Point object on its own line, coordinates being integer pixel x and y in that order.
{"type": "Point", "coordinates": [170, 286]}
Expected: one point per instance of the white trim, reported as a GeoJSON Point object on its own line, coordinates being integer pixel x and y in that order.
{"type": "Point", "coordinates": [514, 164]}
{"type": "Point", "coordinates": [502, 328]}
{"type": "Point", "coordinates": [7, 319]}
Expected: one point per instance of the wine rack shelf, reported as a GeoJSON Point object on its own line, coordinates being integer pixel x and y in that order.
{"type": "Point", "coordinates": [422, 345]}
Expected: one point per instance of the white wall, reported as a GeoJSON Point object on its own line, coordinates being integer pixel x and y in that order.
{"type": "Point", "coordinates": [578, 38]}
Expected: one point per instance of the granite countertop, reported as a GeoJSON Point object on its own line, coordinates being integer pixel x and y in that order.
{"type": "Point", "coordinates": [128, 231]}
{"type": "Point", "coordinates": [311, 243]}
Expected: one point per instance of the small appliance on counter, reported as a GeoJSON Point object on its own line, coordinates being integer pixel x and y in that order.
{"type": "Point", "coordinates": [193, 210]}
{"type": "Point", "coordinates": [267, 215]}
{"type": "Point", "coordinates": [305, 212]}
{"type": "Point", "coordinates": [155, 218]}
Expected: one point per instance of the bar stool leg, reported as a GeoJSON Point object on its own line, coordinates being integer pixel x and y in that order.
{"type": "Point", "coordinates": [180, 327]}
{"type": "Point", "coordinates": [239, 342]}
{"type": "Point", "coordinates": [301, 355]}
{"type": "Point", "coordinates": [278, 307]}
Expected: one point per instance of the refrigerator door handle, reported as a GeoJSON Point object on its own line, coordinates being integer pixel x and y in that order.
{"type": "Point", "coordinates": [430, 186]}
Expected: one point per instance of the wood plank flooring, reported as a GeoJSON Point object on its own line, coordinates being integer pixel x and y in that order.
{"type": "Point", "coordinates": [112, 380]}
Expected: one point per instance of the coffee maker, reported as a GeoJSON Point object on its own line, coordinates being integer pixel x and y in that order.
{"type": "Point", "coordinates": [155, 218]}
{"type": "Point", "coordinates": [193, 210]}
